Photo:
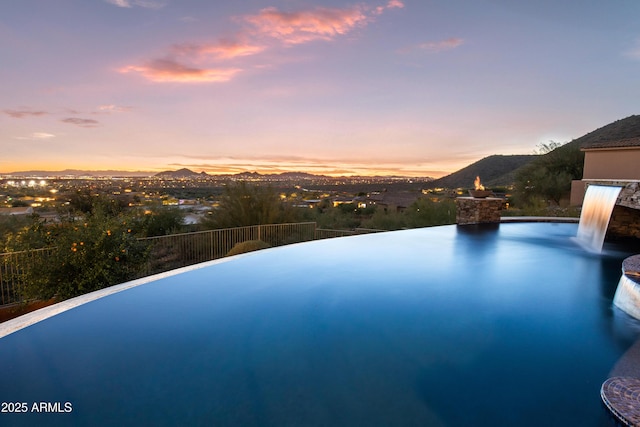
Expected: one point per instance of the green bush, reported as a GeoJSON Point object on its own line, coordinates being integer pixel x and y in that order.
{"type": "Point", "coordinates": [160, 221]}
{"type": "Point", "coordinates": [549, 176]}
{"type": "Point", "coordinates": [84, 255]}
{"type": "Point", "coordinates": [248, 246]}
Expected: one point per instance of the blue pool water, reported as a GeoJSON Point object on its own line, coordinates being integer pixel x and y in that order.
{"type": "Point", "coordinates": [445, 326]}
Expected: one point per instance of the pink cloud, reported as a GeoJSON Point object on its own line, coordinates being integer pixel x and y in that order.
{"type": "Point", "coordinates": [85, 123]}
{"type": "Point", "coordinates": [36, 136]}
{"type": "Point", "coordinates": [304, 26]}
{"type": "Point", "coordinates": [392, 4]}
{"type": "Point", "coordinates": [437, 46]}
{"type": "Point", "coordinates": [224, 49]}
{"type": "Point", "coordinates": [169, 70]}
{"type": "Point", "coordinates": [110, 108]}
{"type": "Point", "coordinates": [286, 28]}
{"type": "Point", "coordinates": [19, 114]}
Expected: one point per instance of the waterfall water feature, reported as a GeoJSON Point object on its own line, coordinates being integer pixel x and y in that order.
{"type": "Point", "coordinates": [627, 296]}
{"type": "Point", "coordinates": [598, 204]}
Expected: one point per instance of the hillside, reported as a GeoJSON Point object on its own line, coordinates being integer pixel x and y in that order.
{"type": "Point", "coordinates": [496, 170]}
{"type": "Point", "coordinates": [549, 176]}
{"type": "Point", "coordinates": [626, 128]}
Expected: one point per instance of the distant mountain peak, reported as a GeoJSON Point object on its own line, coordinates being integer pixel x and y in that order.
{"type": "Point", "coordinates": [181, 173]}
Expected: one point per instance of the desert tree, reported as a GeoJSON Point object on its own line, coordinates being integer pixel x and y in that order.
{"type": "Point", "coordinates": [242, 204]}
{"type": "Point", "coordinates": [549, 176]}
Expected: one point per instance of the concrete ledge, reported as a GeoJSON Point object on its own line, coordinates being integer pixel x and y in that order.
{"type": "Point", "coordinates": [562, 219]}
{"type": "Point", "coordinates": [14, 325]}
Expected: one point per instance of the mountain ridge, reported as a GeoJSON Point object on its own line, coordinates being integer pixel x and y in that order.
{"type": "Point", "coordinates": [494, 170]}
{"type": "Point", "coordinates": [188, 173]}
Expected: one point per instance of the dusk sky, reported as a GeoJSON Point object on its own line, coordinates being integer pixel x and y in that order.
{"type": "Point", "coordinates": [408, 87]}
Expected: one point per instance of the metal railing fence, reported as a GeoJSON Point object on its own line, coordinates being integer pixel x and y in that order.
{"type": "Point", "coordinates": [13, 268]}
{"type": "Point", "coordinates": [179, 250]}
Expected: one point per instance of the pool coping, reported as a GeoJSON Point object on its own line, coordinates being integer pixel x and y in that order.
{"type": "Point", "coordinates": [561, 219]}
{"type": "Point", "coordinates": [26, 320]}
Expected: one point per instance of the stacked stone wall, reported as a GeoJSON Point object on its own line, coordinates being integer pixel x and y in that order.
{"type": "Point", "coordinates": [625, 222]}
{"type": "Point", "coordinates": [470, 210]}
{"type": "Point", "coordinates": [630, 195]}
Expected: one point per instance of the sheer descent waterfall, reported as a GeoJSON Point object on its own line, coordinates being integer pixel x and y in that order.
{"type": "Point", "coordinates": [596, 212]}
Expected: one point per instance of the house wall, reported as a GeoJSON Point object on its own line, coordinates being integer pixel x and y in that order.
{"type": "Point", "coordinates": [620, 164]}
{"type": "Point", "coordinates": [606, 164]}
{"type": "Point", "coordinates": [578, 190]}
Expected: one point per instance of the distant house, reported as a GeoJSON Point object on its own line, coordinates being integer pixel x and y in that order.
{"type": "Point", "coordinates": [311, 203]}
{"type": "Point", "coordinates": [28, 210]}
{"type": "Point", "coordinates": [393, 201]}
{"type": "Point", "coordinates": [341, 201]}
{"type": "Point", "coordinates": [613, 160]}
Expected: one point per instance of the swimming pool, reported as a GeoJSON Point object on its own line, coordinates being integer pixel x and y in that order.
{"type": "Point", "coordinates": [444, 326]}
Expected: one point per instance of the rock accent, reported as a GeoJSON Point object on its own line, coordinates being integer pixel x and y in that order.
{"type": "Point", "coordinates": [624, 222]}
{"type": "Point", "coordinates": [630, 195]}
{"type": "Point", "coordinates": [472, 210]}
{"type": "Point", "coordinates": [631, 267]}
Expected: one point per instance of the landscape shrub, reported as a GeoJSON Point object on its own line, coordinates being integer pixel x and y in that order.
{"type": "Point", "coordinates": [85, 254]}
{"type": "Point", "coordinates": [248, 246]}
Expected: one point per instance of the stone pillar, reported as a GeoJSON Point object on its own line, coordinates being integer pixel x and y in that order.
{"type": "Point", "coordinates": [474, 210]}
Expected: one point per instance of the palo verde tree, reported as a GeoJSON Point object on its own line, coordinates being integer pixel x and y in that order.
{"type": "Point", "coordinates": [242, 204]}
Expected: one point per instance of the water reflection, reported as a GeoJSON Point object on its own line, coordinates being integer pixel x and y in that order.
{"type": "Point", "coordinates": [483, 326]}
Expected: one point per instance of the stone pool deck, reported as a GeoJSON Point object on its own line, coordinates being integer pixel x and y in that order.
{"type": "Point", "coordinates": [621, 395]}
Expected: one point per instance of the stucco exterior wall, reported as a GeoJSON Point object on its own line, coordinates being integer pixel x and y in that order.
{"type": "Point", "coordinates": [611, 165]}
{"type": "Point", "coordinates": [618, 164]}
{"type": "Point", "coordinates": [578, 190]}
